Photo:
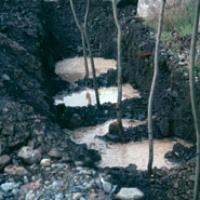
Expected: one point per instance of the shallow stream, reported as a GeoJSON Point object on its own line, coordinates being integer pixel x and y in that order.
{"type": "Point", "coordinates": [113, 155]}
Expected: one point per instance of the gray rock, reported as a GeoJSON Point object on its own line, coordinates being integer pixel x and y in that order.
{"type": "Point", "coordinates": [59, 196]}
{"type": "Point", "coordinates": [15, 170]}
{"type": "Point", "coordinates": [29, 155]}
{"type": "Point", "coordinates": [30, 195]}
{"type": "Point", "coordinates": [107, 187]}
{"type": "Point", "coordinates": [76, 196]}
{"type": "Point", "coordinates": [45, 162]}
{"type": "Point", "coordinates": [4, 160]}
{"type": "Point", "coordinates": [8, 186]}
{"type": "Point", "coordinates": [6, 77]}
{"type": "Point", "coordinates": [55, 153]}
{"type": "Point", "coordinates": [130, 194]}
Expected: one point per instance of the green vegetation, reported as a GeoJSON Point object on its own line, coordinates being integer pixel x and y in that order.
{"type": "Point", "coordinates": [178, 20]}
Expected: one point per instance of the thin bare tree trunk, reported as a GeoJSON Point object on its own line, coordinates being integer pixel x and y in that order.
{"type": "Point", "coordinates": [193, 99]}
{"type": "Point", "coordinates": [85, 55]}
{"type": "Point", "coordinates": [93, 69]}
{"type": "Point", "coordinates": [90, 54]}
{"type": "Point", "coordinates": [119, 67]}
{"type": "Point", "coordinates": [82, 36]}
{"type": "Point", "coordinates": [86, 42]}
{"type": "Point", "coordinates": [153, 85]}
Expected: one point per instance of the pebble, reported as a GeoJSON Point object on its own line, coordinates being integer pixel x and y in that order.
{"type": "Point", "coordinates": [45, 162]}
{"type": "Point", "coordinates": [5, 77]}
{"type": "Point", "coordinates": [76, 196]}
{"type": "Point", "coordinates": [55, 153]}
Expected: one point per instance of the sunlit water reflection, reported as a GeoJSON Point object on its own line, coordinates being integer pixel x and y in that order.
{"type": "Point", "coordinates": [87, 96]}
{"type": "Point", "coordinates": [72, 69]}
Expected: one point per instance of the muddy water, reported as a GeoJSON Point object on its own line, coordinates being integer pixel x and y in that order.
{"type": "Point", "coordinates": [87, 97]}
{"type": "Point", "coordinates": [121, 155]}
{"type": "Point", "coordinates": [73, 69]}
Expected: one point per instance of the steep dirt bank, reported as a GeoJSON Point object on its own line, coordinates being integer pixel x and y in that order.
{"type": "Point", "coordinates": [26, 105]}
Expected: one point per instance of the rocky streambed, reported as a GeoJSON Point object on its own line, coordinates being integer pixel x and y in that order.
{"type": "Point", "coordinates": [40, 152]}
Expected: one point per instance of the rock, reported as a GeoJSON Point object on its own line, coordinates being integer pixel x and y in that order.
{"type": "Point", "coordinates": [107, 187]}
{"type": "Point", "coordinates": [55, 153]}
{"type": "Point", "coordinates": [129, 194]}
{"type": "Point", "coordinates": [76, 196]}
{"type": "Point", "coordinates": [5, 77]}
{"type": "Point", "coordinates": [75, 120]}
{"type": "Point", "coordinates": [4, 160]}
{"type": "Point", "coordinates": [59, 196]}
{"type": "Point", "coordinates": [114, 128]}
{"type": "Point", "coordinates": [179, 149]}
{"type": "Point", "coordinates": [45, 162]}
{"type": "Point", "coordinates": [32, 186]}
{"type": "Point", "coordinates": [29, 155]}
{"type": "Point", "coordinates": [15, 170]}
{"type": "Point", "coordinates": [8, 186]}
{"type": "Point", "coordinates": [30, 195]}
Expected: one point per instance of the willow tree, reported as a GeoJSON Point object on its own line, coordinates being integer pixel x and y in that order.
{"type": "Point", "coordinates": [119, 66]}
{"type": "Point", "coordinates": [86, 42]}
{"type": "Point", "coordinates": [193, 99]}
{"type": "Point", "coordinates": [153, 85]}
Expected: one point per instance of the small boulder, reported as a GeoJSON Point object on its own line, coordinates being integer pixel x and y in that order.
{"type": "Point", "coordinates": [15, 170]}
{"type": "Point", "coordinates": [8, 186]}
{"type": "Point", "coordinates": [115, 128]}
{"type": "Point", "coordinates": [130, 194]}
{"type": "Point", "coordinates": [29, 155]}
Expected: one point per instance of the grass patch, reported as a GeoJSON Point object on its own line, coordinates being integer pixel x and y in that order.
{"type": "Point", "coordinates": [178, 19]}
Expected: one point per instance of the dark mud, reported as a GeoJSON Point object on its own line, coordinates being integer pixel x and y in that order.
{"type": "Point", "coordinates": [73, 117]}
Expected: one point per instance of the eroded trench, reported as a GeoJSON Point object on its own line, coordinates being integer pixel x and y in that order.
{"type": "Point", "coordinates": [113, 154]}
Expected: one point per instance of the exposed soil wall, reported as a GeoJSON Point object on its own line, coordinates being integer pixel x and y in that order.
{"type": "Point", "coordinates": [26, 106]}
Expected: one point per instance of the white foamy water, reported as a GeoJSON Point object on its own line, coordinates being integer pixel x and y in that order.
{"type": "Point", "coordinates": [87, 96]}
{"type": "Point", "coordinates": [72, 69]}
{"type": "Point", "coordinates": [121, 155]}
